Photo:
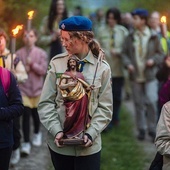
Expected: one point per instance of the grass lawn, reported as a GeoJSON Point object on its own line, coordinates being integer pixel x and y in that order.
{"type": "Point", "coordinates": [120, 148]}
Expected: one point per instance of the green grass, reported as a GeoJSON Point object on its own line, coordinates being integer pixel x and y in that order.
{"type": "Point", "coordinates": [121, 150]}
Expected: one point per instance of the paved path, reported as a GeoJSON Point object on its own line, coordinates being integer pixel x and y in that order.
{"type": "Point", "coordinates": [147, 144]}
{"type": "Point", "coordinates": [39, 159]}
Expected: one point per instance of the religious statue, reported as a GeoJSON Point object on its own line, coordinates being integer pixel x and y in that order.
{"type": "Point", "coordinates": [76, 93]}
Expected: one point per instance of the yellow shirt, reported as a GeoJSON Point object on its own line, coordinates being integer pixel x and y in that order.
{"type": "Point", "coordinates": [1, 62]}
{"type": "Point", "coordinates": [31, 102]}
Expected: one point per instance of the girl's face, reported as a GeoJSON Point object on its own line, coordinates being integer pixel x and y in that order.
{"type": "Point", "coordinates": [60, 7]}
{"type": "Point", "coordinates": [29, 38]}
{"type": "Point", "coordinates": [154, 20]}
{"type": "Point", "coordinates": [111, 20]}
{"type": "Point", "coordinates": [2, 44]}
{"type": "Point", "coordinates": [71, 44]}
{"type": "Point", "coordinates": [138, 22]}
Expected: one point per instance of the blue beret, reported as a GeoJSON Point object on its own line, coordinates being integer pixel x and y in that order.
{"type": "Point", "coordinates": [140, 12]}
{"type": "Point", "coordinates": [76, 23]}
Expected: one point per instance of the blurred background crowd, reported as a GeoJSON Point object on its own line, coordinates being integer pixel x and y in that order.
{"type": "Point", "coordinates": [126, 18]}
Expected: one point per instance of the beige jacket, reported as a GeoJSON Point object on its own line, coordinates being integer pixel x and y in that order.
{"type": "Point", "coordinates": [162, 140]}
{"type": "Point", "coordinates": [115, 61]}
{"type": "Point", "coordinates": [19, 71]}
{"type": "Point", "coordinates": [52, 110]}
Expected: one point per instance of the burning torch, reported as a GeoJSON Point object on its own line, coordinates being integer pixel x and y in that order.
{"type": "Point", "coordinates": [13, 42]}
{"type": "Point", "coordinates": [29, 21]}
{"type": "Point", "coordinates": [164, 31]}
{"type": "Point", "coordinates": [164, 26]}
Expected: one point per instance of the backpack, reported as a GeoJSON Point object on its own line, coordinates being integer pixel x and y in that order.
{"type": "Point", "coordinates": [5, 79]}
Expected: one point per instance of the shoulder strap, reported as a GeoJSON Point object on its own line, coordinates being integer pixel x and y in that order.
{"type": "Point", "coordinates": [5, 79]}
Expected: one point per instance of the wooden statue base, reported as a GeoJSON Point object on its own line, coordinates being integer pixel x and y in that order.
{"type": "Point", "coordinates": [72, 142]}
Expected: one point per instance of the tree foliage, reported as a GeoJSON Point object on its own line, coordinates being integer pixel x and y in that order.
{"type": "Point", "coordinates": [15, 12]}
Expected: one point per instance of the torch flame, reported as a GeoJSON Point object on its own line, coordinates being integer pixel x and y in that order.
{"type": "Point", "coordinates": [30, 14]}
{"type": "Point", "coordinates": [16, 30]}
{"type": "Point", "coordinates": [163, 19]}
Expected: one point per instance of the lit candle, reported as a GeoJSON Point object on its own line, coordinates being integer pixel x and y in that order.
{"type": "Point", "coordinates": [29, 21]}
{"type": "Point", "coordinates": [164, 26]}
{"type": "Point", "coordinates": [13, 42]}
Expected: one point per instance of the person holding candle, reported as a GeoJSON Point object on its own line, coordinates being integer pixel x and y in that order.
{"type": "Point", "coordinates": [77, 38]}
{"type": "Point", "coordinates": [5, 59]}
{"type": "Point", "coordinates": [163, 34]}
{"type": "Point", "coordinates": [35, 62]}
{"type": "Point", "coordinates": [49, 28]}
{"type": "Point", "coordinates": [20, 74]}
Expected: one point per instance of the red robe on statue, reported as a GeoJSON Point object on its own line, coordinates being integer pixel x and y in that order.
{"type": "Point", "coordinates": [76, 102]}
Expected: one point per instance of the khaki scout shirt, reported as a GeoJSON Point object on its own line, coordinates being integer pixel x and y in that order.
{"type": "Point", "coordinates": [104, 37]}
{"type": "Point", "coordinates": [52, 110]}
{"type": "Point", "coordinates": [162, 140]}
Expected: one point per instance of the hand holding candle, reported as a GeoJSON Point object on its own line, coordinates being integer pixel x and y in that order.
{"type": "Point", "coordinates": [164, 26]}
{"type": "Point", "coordinates": [29, 21]}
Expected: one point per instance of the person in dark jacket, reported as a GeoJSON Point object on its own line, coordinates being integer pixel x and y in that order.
{"type": "Point", "coordinates": [142, 54]}
{"type": "Point", "coordinates": [10, 107]}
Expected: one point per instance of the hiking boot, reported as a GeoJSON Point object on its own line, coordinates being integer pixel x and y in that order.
{"type": "Point", "coordinates": [25, 149]}
{"type": "Point", "coordinates": [141, 135]}
{"type": "Point", "coordinates": [37, 139]}
{"type": "Point", "coordinates": [15, 157]}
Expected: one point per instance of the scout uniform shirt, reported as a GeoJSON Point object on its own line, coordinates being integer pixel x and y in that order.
{"type": "Point", "coordinates": [51, 108]}
{"type": "Point", "coordinates": [113, 38]}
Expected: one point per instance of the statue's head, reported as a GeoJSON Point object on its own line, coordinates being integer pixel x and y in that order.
{"type": "Point", "coordinates": [73, 57]}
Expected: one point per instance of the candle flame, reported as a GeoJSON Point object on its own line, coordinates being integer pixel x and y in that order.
{"type": "Point", "coordinates": [163, 19]}
{"type": "Point", "coordinates": [16, 30]}
{"type": "Point", "coordinates": [30, 14]}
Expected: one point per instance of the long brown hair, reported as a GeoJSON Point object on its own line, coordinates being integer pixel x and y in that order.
{"type": "Point", "coordinates": [87, 37]}
{"type": "Point", "coordinates": [53, 13]}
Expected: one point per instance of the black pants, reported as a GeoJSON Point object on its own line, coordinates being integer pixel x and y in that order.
{"type": "Point", "coordinates": [157, 162]}
{"type": "Point", "coordinates": [26, 122]}
{"type": "Point", "coordinates": [63, 162]}
{"type": "Point", "coordinates": [16, 133]}
{"type": "Point", "coordinates": [5, 154]}
{"type": "Point", "coordinates": [117, 86]}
